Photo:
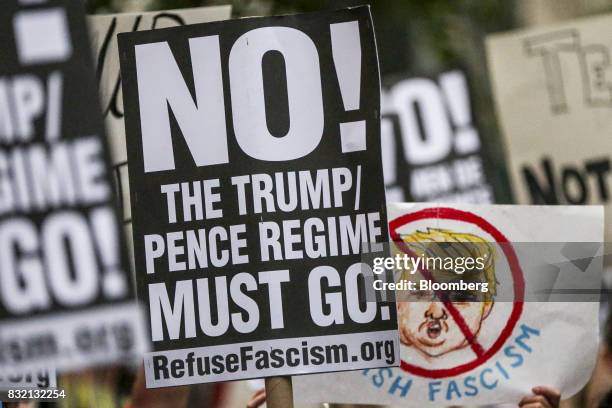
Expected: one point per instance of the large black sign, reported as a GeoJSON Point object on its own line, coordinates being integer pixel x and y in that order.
{"type": "Point", "coordinates": [66, 299]}
{"type": "Point", "coordinates": [254, 160]}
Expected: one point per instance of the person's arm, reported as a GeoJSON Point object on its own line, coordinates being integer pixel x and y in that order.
{"type": "Point", "coordinates": [543, 397]}
{"type": "Point", "coordinates": [175, 397]}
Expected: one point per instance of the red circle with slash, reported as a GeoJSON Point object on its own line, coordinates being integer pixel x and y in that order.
{"type": "Point", "coordinates": [517, 277]}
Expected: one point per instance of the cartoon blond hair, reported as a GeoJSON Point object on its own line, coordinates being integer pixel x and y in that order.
{"type": "Point", "coordinates": [443, 243]}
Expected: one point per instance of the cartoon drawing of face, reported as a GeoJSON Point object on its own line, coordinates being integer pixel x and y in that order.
{"type": "Point", "coordinates": [425, 322]}
{"type": "Point", "coordinates": [429, 327]}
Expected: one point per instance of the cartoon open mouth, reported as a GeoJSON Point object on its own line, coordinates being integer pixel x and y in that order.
{"type": "Point", "coordinates": [434, 329]}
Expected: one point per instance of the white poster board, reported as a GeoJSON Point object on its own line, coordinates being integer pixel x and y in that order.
{"type": "Point", "coordinates": [553, 93]}
{"type": "Point", "coordinates": [514, 345]}
{"type": "Point", "coordinates": [103, 32]}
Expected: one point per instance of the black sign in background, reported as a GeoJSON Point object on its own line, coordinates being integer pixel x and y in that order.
{"type": "Point", "coordinates": [149, 208]}
{"type": "Point", "coordinates": [80, 117]}
{"type": "Point", "coordinates": [479, 190]}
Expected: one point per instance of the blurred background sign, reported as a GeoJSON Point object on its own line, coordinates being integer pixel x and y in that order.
{"type": "Point", "coordinates": [553, 89]}
{"type": "Point", "coordinates": [432, 149]}
{"type": "Point", "coordinates": [103, 31]}
{"type": "Point", "coordinates": [66, 298]}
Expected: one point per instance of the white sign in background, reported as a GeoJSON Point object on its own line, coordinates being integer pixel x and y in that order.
{"type": "Point", "coordinates": [103, 32]}
{"type": "Point", "coordinates": [553, 93]}
{"type": "Point", "coordinates": [516, 345]}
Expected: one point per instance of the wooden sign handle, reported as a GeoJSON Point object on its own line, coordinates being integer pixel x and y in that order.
{"type": "Point", "coordinates": [279, 392]}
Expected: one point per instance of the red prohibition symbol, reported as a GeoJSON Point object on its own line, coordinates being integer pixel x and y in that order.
{"type": "Point", "coordinates": [482, 355]}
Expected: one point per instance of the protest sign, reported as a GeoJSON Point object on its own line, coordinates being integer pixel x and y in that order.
{"type": "Point", "coordinates": [44, 378]}
{"type": "Point", "coordinates": [66, 298]}
{"type": "Point", "coordinates": [33, 384]}
{"type": "Point", "coordinates": [104, 30]}
{"type": "Point", "coordinates": [430, 141]}
{"type": "Point", "coordinates": [491, 346]}
{"type": "Point", "coordinates": [552, 88]}
{"type": "Point", "coordinates": [256, 180]}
